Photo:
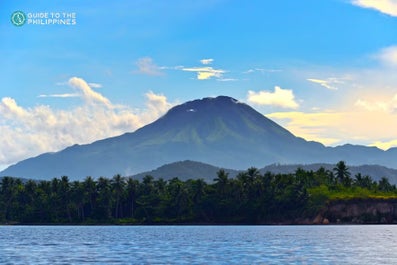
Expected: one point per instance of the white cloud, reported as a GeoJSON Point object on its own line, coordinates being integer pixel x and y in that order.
{"type": "Point", "coordinates": [157, 105]}
{"type": "Point", "coordinates": [389, 105]}
{"type": "Point", "coordinates": [88, 94]}
{"type": "Point", "coordinates": [328, 83]}
{"type": "Point", "coordinates": [95, 85]}
{"type": "Point", "coordinates": [10, 109]}
{"type": "Point", "coordinates": [66, 95]}
{"type": "Point", "coordinates": [388, 7]}
{"type": "Point", "coordinates": [388, 56]}
{"type": "Point", "coordinates": [202, 72]}
{"type": "Point", "coordinates": [372, 106]}
{"type": "Point", "coordinates": [280, 97]}
{"type": "Point", "coordinates": [205, 72]}
{"type": "Point", "coordinates": [226, 79]}
{"type": "Point", "coordinates": [147, 66]}
{"type": "Point", "coordinates": [178, 67]}
{"type": "Point", "coordinates": [206, 61]}
{"type": "Point", "coordinates": [262, 70]}
{"type": "Point", "coordinates": [27, 132]}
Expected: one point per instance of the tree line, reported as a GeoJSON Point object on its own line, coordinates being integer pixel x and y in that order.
{"type": "Point", "coordinates": [249, 198]}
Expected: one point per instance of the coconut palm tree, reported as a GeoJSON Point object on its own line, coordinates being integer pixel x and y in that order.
{"type": "Point", "coordinates": [118, 183]}
{"type": "Point", "coordinates": [222, 181]}
{"type": "Point", "coordinates": [131, 190]}
{"type": "Point", "coordinates": [384, 185]}
{"type": "Point", "coordinates": [90, 193]}
{"type": "Point", "coordinates": [342, 173]}
{"type": "Point", "coordinates": [105, 198]}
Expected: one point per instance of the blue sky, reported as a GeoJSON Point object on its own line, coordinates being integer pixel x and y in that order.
{"type": "Point", "coordinates": [324, 69]}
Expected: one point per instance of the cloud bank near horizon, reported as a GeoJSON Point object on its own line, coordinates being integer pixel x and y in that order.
{"type": "Point", "coordinates": [28, 132]}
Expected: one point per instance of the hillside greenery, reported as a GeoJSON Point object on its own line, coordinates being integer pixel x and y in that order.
{"type": "Point", "coordinates": [249, 198]}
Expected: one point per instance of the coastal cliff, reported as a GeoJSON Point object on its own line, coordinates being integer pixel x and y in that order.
{"type": "Point", "coordinates": [358, 211]}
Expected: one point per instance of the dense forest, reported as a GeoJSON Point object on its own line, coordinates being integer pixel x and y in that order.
{"type": "Point", "coordinates": [249, 198]}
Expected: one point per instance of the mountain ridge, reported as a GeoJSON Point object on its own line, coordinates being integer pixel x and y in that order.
{"type": "Point", "coordinates": [188, 169]}
{"type": "Point", "coordinates": [219, 131]}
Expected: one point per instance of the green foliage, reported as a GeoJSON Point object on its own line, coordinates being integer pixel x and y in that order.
{"type": "Point", "coordinates": [250, 198]}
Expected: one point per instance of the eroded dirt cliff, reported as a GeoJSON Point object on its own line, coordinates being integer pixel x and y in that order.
{"type": "Point", "coordinates": [359, 211]}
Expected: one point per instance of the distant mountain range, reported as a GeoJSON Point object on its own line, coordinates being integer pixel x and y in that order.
{"type": "Point", "coordinates": [376, 172]}
{"type": "Point", "coordinates": [218, 131]}
{"type": "Point", "coordinates": [185, 170]}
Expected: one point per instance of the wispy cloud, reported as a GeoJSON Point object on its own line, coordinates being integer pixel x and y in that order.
{"type": "Point", "coordinates": [178, 67]}
{"type": "Point", "coordinates": [388, 56]}
{"type": "Point", "coordinates": [328, 83]}
{"type": "Point", "coordinates": [227, 79]}
{"type": "Point", "coordinates": [388, 7]}
{"type": "Point", "coordinates": [279, 97]}
{"type": "Point", "coordinates": [206, 61]}
{"type": "Point", "coordinates": [95, 85]}
{"type": "Point", "coordinates": [389, 105]}
{"type": "Point", "coordinates": [206, 72]}
{"type": "Point", "coordinates": [66, 95]}
{"type": "Point", "coordinates": [28, 132]}
{"type": "Point", "coordinates": [147, 66]}
{"type": "Point", "coordinates": [261, 70]}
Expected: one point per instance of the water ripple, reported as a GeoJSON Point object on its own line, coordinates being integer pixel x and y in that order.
{"type": "Point", "coordinates": [198, 245]}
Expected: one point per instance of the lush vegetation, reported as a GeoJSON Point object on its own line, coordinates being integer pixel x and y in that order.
{"type": "Point", "coordinates": [250, 198]}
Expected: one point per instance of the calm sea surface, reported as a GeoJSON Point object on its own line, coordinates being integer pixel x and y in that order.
{"type": "Point", "coordinates": [198, 244]}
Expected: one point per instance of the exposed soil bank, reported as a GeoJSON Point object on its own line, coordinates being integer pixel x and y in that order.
{"type": "Point", "coordinates": [359, 211]}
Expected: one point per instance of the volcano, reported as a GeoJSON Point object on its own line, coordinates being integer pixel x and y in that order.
{"type": "Point", "coordinates": [219, 131]}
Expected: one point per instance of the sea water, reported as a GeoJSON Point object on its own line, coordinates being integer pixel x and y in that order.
{"type": "Point", "coordinates": [363, 244]}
